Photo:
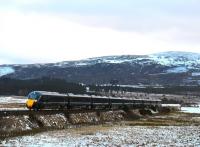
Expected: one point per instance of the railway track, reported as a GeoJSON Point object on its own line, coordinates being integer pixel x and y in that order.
{"type": "Point", "coordinates": [18, 112]}
{"type": "Point", "coordinates": [48, 112]}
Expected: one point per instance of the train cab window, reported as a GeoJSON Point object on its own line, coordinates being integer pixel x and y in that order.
{"type": "Point", "coordinates": [34, 95]}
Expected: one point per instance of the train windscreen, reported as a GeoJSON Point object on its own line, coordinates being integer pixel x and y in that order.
{"type": "Point", "coordinates": [34, 95]}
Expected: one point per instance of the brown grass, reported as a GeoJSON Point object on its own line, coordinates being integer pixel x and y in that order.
{"type": "Point", "coordinates": [171, 119]}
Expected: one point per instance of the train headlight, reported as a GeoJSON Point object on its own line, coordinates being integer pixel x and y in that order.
{"type": "Point", "coordinates": [30, 103]}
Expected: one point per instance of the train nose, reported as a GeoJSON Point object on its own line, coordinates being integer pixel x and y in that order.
{"type": "Point", "coordinates": [30, 103]}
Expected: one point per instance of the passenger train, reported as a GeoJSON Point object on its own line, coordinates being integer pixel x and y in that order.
{"type": "Point", "coordinates": [54, 100]}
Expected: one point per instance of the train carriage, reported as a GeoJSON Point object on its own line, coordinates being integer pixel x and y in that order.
{"type": "Point", "coordinates": [100, 102]}
{"type": "Point", "coordinates": [43, 99]}
{"type": "Point", "coordinates": [78, 102]}
{"type": "Point", "coordinates": [53, 100]}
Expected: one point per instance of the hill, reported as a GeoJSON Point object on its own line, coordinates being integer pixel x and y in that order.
{"type": "Point", "coordinates": [167, 68]}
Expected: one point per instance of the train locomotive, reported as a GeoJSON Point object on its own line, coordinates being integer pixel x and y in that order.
{"type": "Point", "coordinates": [54, 100]}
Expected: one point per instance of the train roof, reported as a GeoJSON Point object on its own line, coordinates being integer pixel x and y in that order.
{"type": "Point", "coordinates": [86, 96]}
{"type": "Point", "coordinates": [48, 93]}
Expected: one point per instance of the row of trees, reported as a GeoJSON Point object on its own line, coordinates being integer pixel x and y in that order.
{"type": "Point", "coordinates": [23, 87]}
{"type": "Point", "coordinates": [186, 90]}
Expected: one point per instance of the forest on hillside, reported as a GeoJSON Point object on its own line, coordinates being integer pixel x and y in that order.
{"type": "Point", "coordinates": [23, 87]}
{"type": "Point", "coordinates": [182, 90]}
{"type": "Point", "coordinates": [10, 86]}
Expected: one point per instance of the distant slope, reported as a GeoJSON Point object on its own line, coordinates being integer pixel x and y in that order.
{"type": "Point", "coordinates": [167, 68]}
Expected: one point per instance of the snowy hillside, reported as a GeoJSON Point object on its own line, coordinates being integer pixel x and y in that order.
{"type": "Point", "coordinates": [6, 70]}
{"type": "Point", "coordinates": [171, 58]}
{"type": "Point", "coordinates": [176, 58]}
{"type": "Point", "coordinates": [174, 68]}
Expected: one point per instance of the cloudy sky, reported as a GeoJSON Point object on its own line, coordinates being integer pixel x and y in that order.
{"type": "Point", "coordinates": [33, 31]}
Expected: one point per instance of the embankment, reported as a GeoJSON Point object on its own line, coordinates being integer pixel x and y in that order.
{"type": "Point", "coordinates": [27, 124]}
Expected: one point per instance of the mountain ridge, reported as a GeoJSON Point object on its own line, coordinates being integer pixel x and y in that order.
{"type": "Point", "coordinates": [165, 68]}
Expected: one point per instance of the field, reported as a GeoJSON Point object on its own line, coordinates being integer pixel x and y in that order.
{"type": "Point", "coordinates": [161, 129]}
{"type": "Point", "coordinates": [175, 129]}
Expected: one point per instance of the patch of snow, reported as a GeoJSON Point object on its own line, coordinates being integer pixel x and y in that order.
{"type": "Point", "coordinates": [171, 105]}
{"type": "Point", "coordinates": [6, 100]}
{"type": "Point", "coordinates": [131, 86]}
{"type": "Point", "coordinates": [195, 74]}
{"type": "Point", "coordinates": [61, 64]}
{"type": "Point", "coordinates": [4, 109]}
{"type": "Point", "coordinates": [161, 60]}
{"type": "Point", "coordinates": [81, 64]}
{"type": "Point", "coordinates": [176, 58]}
{"type": "Point", "coordinates": [6, 70]}
{"type": "Point", "coordinates": [190, 109]}
{"type": "Point", "coordinates": [117, 61]}
{"type": "Point", "coordinates": [177, 70]}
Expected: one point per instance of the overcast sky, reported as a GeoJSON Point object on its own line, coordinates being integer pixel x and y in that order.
{"type": "Point", "coordinates": [33, 31]}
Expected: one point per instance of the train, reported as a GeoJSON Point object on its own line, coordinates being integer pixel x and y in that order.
{"type": "Point", "coordinates": [37, 100]}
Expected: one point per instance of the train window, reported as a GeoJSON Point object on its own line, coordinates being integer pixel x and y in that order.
{"type": "Point", "coordinates": [34, 95]}
{"type": "Point", "coordinates": [100, 100]}
{"type": "Point", "coordinates": [116, 100]}
{"type": "Point", "coordinates": [53, 98]}
{"type": "Point", "coordinates": [43, 98]}
{"type": "Point", "coordinates": [80, 99]}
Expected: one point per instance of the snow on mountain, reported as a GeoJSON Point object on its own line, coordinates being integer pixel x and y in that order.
{"type": "Point", "coordinates": [194, 74]}
{"type": "Point", "coordinates": [171, 58]}
{"type": "Point", "coordinates": [178, 62]}
{"type": "Point", "coordinates": [176, 58]}
{"type": "Point", "coordinates": [177, 70]}
{"type": "Point", "coordinates": [6, 70]}
{"type": "Point", "coordinates": [161, 68]}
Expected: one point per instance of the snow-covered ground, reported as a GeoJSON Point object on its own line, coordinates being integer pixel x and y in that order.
{"type": "Point", "coordinates": [191, 109]}
{"type": "Point", "coordinates": [124, 136]}
{"type": "Point", "coordinates": [10, 99]}
{"type": "Point", "coordinates": [171, 105]}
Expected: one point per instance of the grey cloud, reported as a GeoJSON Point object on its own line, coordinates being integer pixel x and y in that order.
{"type": "Point", "coordinates": [142, 16]}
